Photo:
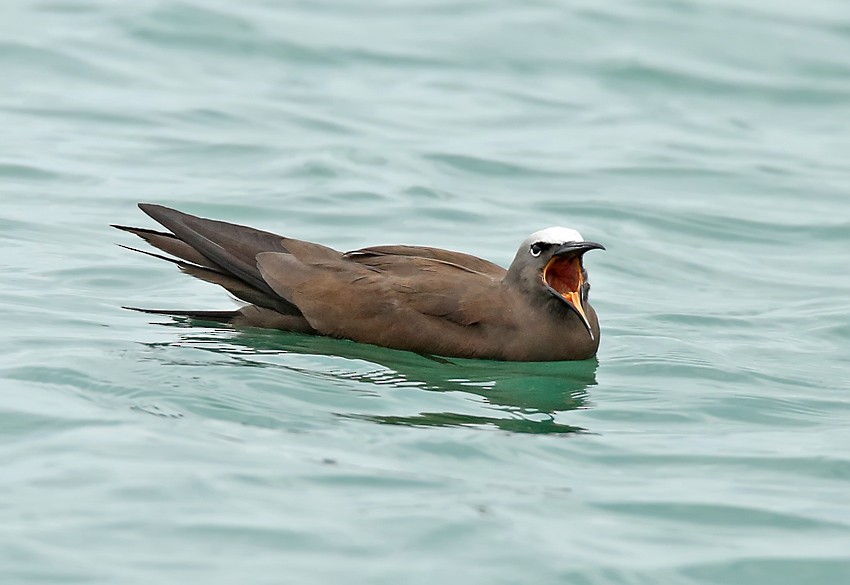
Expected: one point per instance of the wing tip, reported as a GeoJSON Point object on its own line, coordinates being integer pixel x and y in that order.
{"type": "Point", "coordinates": [156, 211]}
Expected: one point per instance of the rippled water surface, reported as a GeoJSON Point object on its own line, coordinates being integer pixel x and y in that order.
{"type": "Point", "coordinates": [705, 143]}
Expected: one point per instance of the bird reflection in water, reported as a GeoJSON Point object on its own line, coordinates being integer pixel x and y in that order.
{"type": "Point", "coordinates": [525, 397]}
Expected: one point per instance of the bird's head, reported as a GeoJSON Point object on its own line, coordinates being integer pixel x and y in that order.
{"type": "Point", "coordinates": [550, 263]}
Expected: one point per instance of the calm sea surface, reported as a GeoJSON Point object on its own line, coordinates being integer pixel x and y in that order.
{"type": "Point", "coordinates": [705, 143]}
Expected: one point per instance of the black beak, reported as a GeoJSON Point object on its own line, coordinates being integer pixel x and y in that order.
{"type": "Point", "coordinates": [577, 248]}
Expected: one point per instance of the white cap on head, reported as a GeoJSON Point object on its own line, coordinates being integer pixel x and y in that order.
{"type": "Point", "coordinates": [554, 235]}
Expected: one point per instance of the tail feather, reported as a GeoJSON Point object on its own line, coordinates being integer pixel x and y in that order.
{"type": "Point", "coordinates": [218, 316]}
{"type": "Point", "coordinates": [183, 265]}
{"type": "Point", "coordinates": [170, 244]}
{"type": "Point", "coordinates": [232, 247]}
{"type": "Point", "coordinates": [223, 254]}
{"type": "Point", "coordinates": [200, 266]}
{"type": "Point", "coordinates": [234, 286]}
{"type": "Point", "coordinates": [249, 316]}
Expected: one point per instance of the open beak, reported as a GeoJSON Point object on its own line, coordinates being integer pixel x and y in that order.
{"type": "Point", "coordinates": [564, 276]}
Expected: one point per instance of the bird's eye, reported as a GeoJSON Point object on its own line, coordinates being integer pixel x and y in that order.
{"type": "Point", "coordinates": [535, 249]}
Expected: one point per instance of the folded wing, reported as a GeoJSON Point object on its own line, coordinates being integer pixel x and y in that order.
{"type": "Point", "coordinates": [414, 303]}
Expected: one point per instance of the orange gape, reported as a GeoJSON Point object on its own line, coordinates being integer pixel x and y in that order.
{"type": "Point", "coordinates": [565, 275]}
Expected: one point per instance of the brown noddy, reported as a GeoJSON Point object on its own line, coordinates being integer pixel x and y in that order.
{"type": "Point", "coordinates": [414, 298]}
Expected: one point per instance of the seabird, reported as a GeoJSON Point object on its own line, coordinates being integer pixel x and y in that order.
{"type": "Point", "coordinates": [421, 299]}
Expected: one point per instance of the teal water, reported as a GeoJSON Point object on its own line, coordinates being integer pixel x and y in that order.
{"type": "Point", "coordinates": [703, 142]}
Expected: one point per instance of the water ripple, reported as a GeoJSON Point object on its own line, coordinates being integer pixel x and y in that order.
{"type": "Point", "coordinates": [701, 142]}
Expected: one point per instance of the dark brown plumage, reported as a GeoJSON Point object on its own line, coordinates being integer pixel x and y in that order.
{"type": "Point", "coordinates": [420, 299]}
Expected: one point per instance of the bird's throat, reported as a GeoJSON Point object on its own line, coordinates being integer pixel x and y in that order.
{"type": "Point", "coordinates": [564, 274]}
